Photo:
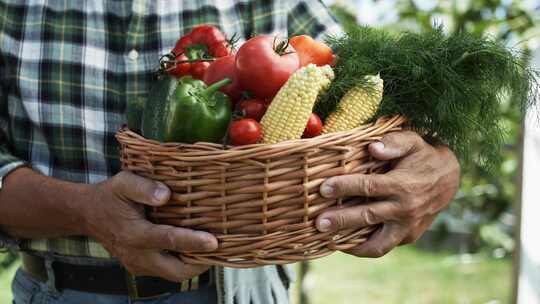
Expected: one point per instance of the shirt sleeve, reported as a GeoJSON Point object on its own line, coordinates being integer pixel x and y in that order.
{"type": "Point", "coordinates": [313, 18]}
{"type": "Point", "coordinates": [8, 162]}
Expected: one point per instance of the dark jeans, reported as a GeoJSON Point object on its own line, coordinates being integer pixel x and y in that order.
{"type": "Point", "coordinates": [27, 290]}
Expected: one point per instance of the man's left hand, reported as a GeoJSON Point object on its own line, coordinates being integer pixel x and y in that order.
{"type": "Point", "coordinates": [422, 182]}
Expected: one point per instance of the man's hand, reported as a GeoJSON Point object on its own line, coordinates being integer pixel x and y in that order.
{"type": "Point", "coordinates": [114, 216]}
{"type": "Point", "coordinates": [422, 182]}
{"type": "Point", "coordinates": [38, 206]}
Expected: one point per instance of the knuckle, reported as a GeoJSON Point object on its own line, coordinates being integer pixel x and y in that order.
{"type": "Point", "coordinates": [408, 211]}
{"type": "Point", "coordinates": [367, 185]}
{"type": "Point", "coordinates": [143, 187]}
{"type": "Point", "coordinates": [349, 185]}
{"type": "Point", "coordinates": [170, 240]}
{"type": "Point", "coordinates": [378, 252]}
{"type": "Point", "coordinates": [416, 202]}
{"type": "Point", "coordinates": [412, 187]}
{"type": "Point", "coordinates": [341, 220]}
{"type": "Point", "coordinates": [340, 185]}
{"type": "Point", "coordinates": [369, 216]}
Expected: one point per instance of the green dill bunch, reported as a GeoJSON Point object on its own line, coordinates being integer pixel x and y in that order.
{"type": "Point", "coordinates": [449, 86]}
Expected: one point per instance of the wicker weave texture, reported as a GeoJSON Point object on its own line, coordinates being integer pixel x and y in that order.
{"type": "Point", "coordinates": [260, 201]}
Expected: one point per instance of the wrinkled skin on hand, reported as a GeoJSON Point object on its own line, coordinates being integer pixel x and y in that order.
{"type": "Point", "coordinates": [422, 181]}
{"type": "Point", "coordinates": [115, 218]}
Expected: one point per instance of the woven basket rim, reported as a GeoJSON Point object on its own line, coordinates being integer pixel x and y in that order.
{"type": "Point", "coordinates": [212, 151]}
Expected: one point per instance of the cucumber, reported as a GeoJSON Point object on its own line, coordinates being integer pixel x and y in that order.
{"type": "Point", "coordinates": [134, 112]}
{"type": "Point", "coordinates": [157, 108]}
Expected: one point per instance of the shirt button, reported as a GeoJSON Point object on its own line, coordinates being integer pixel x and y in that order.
{"type": "Point", "coordinates": [133, 54]}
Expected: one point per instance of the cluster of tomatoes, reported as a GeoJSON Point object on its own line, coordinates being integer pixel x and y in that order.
{"type": "Point", "coordinates": [258, 69]}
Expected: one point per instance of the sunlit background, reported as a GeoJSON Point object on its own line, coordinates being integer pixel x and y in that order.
{"type": "Point", "coordinates": [467, 255]}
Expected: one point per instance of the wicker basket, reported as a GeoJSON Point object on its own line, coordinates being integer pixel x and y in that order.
{"type": "Point", "coordinates": [260, 201]}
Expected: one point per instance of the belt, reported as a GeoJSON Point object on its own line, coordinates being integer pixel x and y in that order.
{"type": "Point", "coordinates": [113, 280]}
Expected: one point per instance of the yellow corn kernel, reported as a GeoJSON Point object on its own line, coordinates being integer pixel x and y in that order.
{"type": "Point", "coordinates": [356, 107]}
{"type": "Point", "coordinates": [288, 114]}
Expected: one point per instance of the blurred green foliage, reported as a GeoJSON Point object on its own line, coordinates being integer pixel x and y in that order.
{"type": "Point", "coordinates": [484, 206]}
{"type": "Point", "coordinates": [439, 277]}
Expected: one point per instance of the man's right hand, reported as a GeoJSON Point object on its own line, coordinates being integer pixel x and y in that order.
{"type": "Point", "coordinates": [114, 216]}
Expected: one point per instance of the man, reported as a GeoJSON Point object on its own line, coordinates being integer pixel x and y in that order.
{"type": "Point", "coordinates": [67, 71]}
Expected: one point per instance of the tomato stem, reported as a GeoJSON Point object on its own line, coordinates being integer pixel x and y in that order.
{"type": "Point", "coordinates": [233, 41]}
{"type": "Point", "coordinates": [168, 61]}
{"type": "Point", "coordinates": [281, 47]}
{"type": "Point", "coordinates": [189, 60]}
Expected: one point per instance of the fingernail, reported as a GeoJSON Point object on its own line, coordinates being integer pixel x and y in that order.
{"type": "Point", "coordinates": [378, 145]}
{"type": "Point", "coordinates": [327, 190]}
{"type": "Point", "coordinates": [161, 193]}
{"type": "Point", "coordinates": [208, 241]}
{"type": "Point", "coordinates": [324, 225]}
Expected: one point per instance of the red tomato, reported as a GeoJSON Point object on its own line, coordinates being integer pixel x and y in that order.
{"type": "Point", "coordinates": [206, 34]}
{"type": "Point", "coordinates": [219, 49]}
{"type": "Point", "coordinates": [180, 69]}
{"type": "Point", "coordinates": [314, 126]}
{"type": "Point", "coordinates": [253, 108]}
{"type": "Point", "coordinates": [182, 44]}
{"type": "Point", "coordinates": [199, 68]}
{"type": "Point", "coordinates": [261, 69]}
{"type": "Point", "coordinates": [245, 131]}
{"type": "Point", "coordinates": [312, 51]}
{"type": "Point", "coordinates": [224, 68]}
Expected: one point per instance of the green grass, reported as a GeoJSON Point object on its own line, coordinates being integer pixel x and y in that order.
{"type": "Point", "coordinates": [6, 275]}
{"type": "Point", "coordinates": [406, 275]}
{"type": "Point", "coordinates": [409, 275]}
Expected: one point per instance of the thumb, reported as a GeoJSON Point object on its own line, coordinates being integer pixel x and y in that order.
{"type": "Point", "coordinates": [139, 189]}
{"type": "Point", "coordinates": [396, 145]}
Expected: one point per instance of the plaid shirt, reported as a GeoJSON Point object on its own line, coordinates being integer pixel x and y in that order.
{"type": "Point", "coordinates": [68, 67]}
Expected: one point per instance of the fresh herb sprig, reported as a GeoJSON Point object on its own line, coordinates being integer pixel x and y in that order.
{"type": "Point", "coordinates": [449, 86]}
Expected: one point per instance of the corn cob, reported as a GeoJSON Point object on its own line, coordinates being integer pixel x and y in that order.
{"type": "Point", "coordinates": [288, 114]}
{"type": "Point", "coordinates": [356, 107]}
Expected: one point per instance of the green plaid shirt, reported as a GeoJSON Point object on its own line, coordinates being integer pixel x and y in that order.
{"type": "Point", "coordinates": [68, 67]}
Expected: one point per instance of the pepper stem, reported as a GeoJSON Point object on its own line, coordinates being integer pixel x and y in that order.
{"type": "Point", "coordinates": [211, 89]}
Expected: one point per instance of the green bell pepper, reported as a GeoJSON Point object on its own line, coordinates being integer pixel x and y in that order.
{"type": "Point", "coordinates": [199, 112]}
{"type": "Point", "coordinates": [193, 112]}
